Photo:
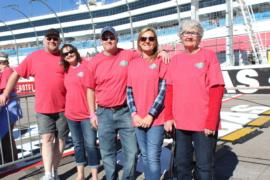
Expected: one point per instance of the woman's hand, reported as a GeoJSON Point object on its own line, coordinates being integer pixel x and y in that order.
{"type": "Point", "coordinates": [147, 121]}
{"type": "Point", "coordinates": [168, 126]}
{"type": "Point", "coordinates": [209, 132]}
{"type": "Point", "coordinates": [137, 120]}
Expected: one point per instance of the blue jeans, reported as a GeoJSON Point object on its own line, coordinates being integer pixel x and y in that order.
{"type": "Point", "coordinates": [150, 143]}
{"type": "Point", "coordinates": [84, 140]}
{"type": "Point", "coordinates": [110, 123]}
{"type": "Point", "coordinates": [204, 147]}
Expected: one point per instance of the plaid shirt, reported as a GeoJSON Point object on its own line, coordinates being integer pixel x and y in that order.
{"type": "Point", "coordinates": [158, 103]}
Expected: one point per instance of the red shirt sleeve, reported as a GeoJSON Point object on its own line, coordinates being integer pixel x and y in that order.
{"type": "Point", "coordinates": [168, 103]}
{"type": "Point", "coordinates": [4, 77]}
{"type": "Point", "coordinates": [215, 101]}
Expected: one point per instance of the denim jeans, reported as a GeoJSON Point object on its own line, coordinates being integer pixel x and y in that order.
{"type": "Point", "coordinates": [84, 140]}
{"type": "Point", "coordinates": [204, 146]}
{"type": "Point", "coordinates": [150, 143]}
{"type": "Point", "coordinates": [110, 123]}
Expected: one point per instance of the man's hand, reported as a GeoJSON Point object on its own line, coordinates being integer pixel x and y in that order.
{"type": "Point", "coordinates": [3, 100]}
{"type": "Point", "coordinates": [94, 122]}
{"type": "Point", "coordinates": [164, 56]}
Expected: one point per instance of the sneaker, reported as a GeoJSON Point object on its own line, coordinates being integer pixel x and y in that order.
{"type": "Point", "coordinates": [56, 177]}
{"type": "Point", "coordinates": [46, 177]}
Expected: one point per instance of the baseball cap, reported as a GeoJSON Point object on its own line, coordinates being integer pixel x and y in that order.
{"type": "Point", "coordinates": [109, 29]}
{"type": "Point", "coordinates": [3, 56]}
{"type": "Point", "coordinates": [52, 33]}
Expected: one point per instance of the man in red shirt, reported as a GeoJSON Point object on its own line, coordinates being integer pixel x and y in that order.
{"type": "Point", "coordinates": [44, 66]}
{"type": "Point", "coordinates": [108, 88]}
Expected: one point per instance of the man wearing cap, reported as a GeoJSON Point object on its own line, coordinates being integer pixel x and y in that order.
{"type": "Point", "coordinates": [112, 117]}
{"type": "Point", "coordinates": [9, 114]}
{"type": "Point", "coordinates": [44, 65]}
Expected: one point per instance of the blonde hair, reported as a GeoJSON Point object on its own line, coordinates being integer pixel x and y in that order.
{"type": "Point", "coordinates": [155, 50]}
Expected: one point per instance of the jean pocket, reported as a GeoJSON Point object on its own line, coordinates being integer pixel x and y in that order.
{"type": "Point", "coordinates": [99, 111]}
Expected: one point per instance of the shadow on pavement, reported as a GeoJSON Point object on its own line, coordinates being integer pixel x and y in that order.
{"type": "Point", "coordinates": [225, 163]}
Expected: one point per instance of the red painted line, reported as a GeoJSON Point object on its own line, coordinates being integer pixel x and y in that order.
{"type": "Point", "coordinates": [231, 98]}
{"type": "Point", "coordinates": [68, 153]}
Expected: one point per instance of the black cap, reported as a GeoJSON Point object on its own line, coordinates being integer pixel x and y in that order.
{"type": "Point", "coordinates": [52, 33]}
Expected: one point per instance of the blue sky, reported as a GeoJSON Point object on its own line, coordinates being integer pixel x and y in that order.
{"type": "Point", "coordinates": [34, 8]}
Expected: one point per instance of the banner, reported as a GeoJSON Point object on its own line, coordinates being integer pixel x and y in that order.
{"type": "Point", "coordinates": [247, 79]}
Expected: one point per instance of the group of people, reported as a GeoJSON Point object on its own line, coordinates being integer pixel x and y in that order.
{"type": "Point", "coordinates": [133, 95]}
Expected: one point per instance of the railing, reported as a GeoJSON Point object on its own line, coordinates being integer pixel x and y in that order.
{"type": "Point", "coordinates": [25, 135]}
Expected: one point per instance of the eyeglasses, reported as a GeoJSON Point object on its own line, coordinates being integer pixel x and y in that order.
{"type": "Point", "coordinates": [190, 33]}
{"type": "Point", "coordinates": [67, 53]}
{"type": "Point", "coordinates": [52, 38]}
{"type": "Point", "coordinates": [106, 38]}
{"type": "Point", "coordinates": [150, 38]}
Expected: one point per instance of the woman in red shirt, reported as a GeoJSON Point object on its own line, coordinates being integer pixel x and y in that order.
{"type": "Point", "coordinates": [195, 88]}
{"type": "Point", "coordinates": [145, 94]}
{"type": "Point", "coordinates": [76, 82]}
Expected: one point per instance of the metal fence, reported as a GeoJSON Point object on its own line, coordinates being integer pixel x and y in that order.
{"type": "Point", "coordinates": [22, 141]}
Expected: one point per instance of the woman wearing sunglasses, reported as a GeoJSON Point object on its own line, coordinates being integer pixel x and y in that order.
{"type": "Point", "coordinates": [76, 80]}
{"type": "Point", "coordinates": [145, 94]}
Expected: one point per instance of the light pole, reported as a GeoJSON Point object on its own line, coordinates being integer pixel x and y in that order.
{"type": "Point", "coordinates": [178, 15]}
{"type": "Point", "coordinates": [229, 36]}
{"type": "Point", "coordinates": [194, 9]}
{"type": "Point", "coordinates": [14, 38]}
{"type": "Point", "coordinates": [93, 25]}
{"type": "Point", "coordinates": [57, 18]}
{"type": "Point", "coordinates": [15, 8]}
{"type": "Point", "coordinates": [131, 25]}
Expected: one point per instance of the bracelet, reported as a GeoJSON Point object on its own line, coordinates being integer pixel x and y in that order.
{"type": "Point", "coordinates": [92, 116]}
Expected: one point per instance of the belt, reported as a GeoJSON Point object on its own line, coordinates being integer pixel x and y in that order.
{"type": "Point", "coordinates": [114, 107]}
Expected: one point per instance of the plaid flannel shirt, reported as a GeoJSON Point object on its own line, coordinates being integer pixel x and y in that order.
{"type": "Point", "coordinates": [158, 103]}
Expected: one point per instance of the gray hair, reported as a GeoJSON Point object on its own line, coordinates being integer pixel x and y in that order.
{"type": "Point", "coordinates": [188, 25]}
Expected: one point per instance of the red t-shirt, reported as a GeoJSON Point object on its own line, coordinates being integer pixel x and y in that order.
{"type": "Point", "coordinates": [76, 81]}
{"type": "Point", "coordinates": [49, 80]}
{"type": "Point", "coordinates": [143, 77]}
{"type": "Point", "coordinates": [191, 77]}
{"type": "Point", "coordinates": [109, 77]}
{"type": "Point", "coordinates": [4, 79]}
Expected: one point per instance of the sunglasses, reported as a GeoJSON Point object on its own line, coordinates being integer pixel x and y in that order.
{"type": "Point", "coordinates": [52, 38]}
{"type": "Point", "coordinates": [67, 53]}
{"type": "Point", "coordinates": [150, 38]}
{"type": "Point", "coordinates": [190, 33]}
{"type": "Point", "coordinates": [106, 38]}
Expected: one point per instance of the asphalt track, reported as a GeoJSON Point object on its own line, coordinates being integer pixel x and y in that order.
{"type": "Point", "coordinates": [246, 158]}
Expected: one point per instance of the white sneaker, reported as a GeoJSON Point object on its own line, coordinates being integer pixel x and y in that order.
{"type": "Point", "coordinates": [56, 177]}
{"type": "Point", "coordinates": [46, 177]}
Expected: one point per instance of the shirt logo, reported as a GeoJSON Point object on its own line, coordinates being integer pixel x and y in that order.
{"type": "Point", "coordinates": [123, 63]}
{"type": "Point", "coordinates": [153, 66]}
{"type": "Point", "coordinates": [80, 74]}
{"type": "Point", "coordinates": [199, 65]}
